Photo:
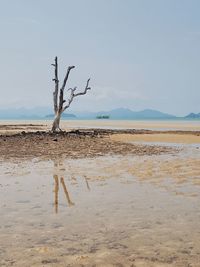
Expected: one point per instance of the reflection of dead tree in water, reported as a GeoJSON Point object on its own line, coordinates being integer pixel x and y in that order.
{"type": "Point", "coordinates": [60, 181]}
{"type": "Point", "coordinates": [86, 181]}
{"type": "Point", "coordinates": [58, 172]}
{"type": "Point", "coordinates": [56, 192]}
{"type": "Point", "coordinates": [66, 192]}
{"type": "Point", "coordinates": [84, 176]}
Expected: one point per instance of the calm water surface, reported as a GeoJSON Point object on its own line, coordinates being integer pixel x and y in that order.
{"type": "Point", "coordinates": [107, 211]}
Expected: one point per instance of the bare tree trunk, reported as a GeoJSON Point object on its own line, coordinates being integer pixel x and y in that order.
{"type": "Point", "coordinates": [56, 123]}
{"type": "Point", "coordinates": [59, 108]}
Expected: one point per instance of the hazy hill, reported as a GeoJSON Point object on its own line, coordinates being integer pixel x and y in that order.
{"type": "Point", "coordinates": [119, 113]}
{"type": "Point", "coordinates": [32, 113]}
{"type": "Point", "coordinates": [25, 113]}
{"type": "Point", "coordinates": [193, 116]}
{"type": "Point", "coordinates": [124, 113]}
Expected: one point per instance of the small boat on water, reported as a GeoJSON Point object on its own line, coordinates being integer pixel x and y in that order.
{"type": "Point", "coordinates": [103, 117]}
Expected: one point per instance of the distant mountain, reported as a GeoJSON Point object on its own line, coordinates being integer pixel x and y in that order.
{"type": "Point", "coordinates": [37, 113]}
{"type": "Point", "coordinates": [64, 115]}
{"type": "Point", "coordinates": [153, 114]}
{"type": "Point", "coordinates": [193, 116]}
{"type": "Point", "coordinates": [119, 113]}
{"type": "Point", "coordinates": [25, 113]}
{"type": "Point", "coordinates": [124, 113]}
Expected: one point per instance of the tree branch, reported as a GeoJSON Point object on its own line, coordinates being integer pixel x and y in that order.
{"type": "Point", "coordinates": [55, 93]}
{"type": "Point", "coordinates": [72, 95]}
{"type": "Point", "coordinates": [61, 100]}
{"type": "Point", "coordinates": [86, 89]}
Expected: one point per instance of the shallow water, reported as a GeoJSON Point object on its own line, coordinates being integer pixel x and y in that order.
{"type": "Point", "coordinates": [113, 124]}
{"type": "Point", "coordinates": [106, 211]}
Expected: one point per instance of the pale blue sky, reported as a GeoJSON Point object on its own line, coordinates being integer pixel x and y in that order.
{"type": "Point", "coordinates": [139, 54]}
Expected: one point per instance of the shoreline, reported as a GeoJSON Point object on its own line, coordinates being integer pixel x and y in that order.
{"type": "Point", "coordinates": [28, 141]}
{"type": "Point", "coordinates": [26, 129]}
{"type": "Point", "coordinates": [85, 143]}
{"type": "Point", "coordinates": [162, 125]}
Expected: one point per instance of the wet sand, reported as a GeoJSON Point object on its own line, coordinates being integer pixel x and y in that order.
{"type": "Point", "coordinates": [134, 124]}
{"type": "Point", "coordinates": [184, 125]}
{"type": "Point", "coordinates": [175, 138]}
{"type": "Point", "coordinates": [107, 211]}
{"type": "Point", "coordinates": [117, 200]}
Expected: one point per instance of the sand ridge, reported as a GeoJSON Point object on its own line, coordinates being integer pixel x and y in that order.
{"type": "Point", "coordinates": [164, 137]}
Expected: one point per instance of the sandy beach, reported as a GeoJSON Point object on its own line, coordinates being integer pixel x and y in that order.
{"type": "Point", "coordinates": [184, 125]}
{"type": "Point", "coordinates": [100, 133]}
{"type": "Point", "coordinates": [99, 197]}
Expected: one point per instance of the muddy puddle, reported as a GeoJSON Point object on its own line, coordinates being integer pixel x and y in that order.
{"type": "Point", "coordinates": [106, 211]}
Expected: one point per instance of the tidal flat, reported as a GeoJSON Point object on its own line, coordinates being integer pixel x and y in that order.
{"type": "Point", "coordinates": [135, 206]}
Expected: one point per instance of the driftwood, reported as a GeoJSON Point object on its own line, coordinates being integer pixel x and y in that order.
{"type": "Point", "coordinates": [58, 95]}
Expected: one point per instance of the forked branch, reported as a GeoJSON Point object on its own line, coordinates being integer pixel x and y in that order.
{"type": "Point", "coordinates": [72, 95]}
{"type": "Point", "coordinates": [61, 98]}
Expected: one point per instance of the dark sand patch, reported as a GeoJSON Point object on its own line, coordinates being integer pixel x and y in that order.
{"type": "Point", "coordinates": [73, 144]}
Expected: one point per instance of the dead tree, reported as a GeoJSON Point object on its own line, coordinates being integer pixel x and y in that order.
{"type": "Point", "coordinates": [60, 104]}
